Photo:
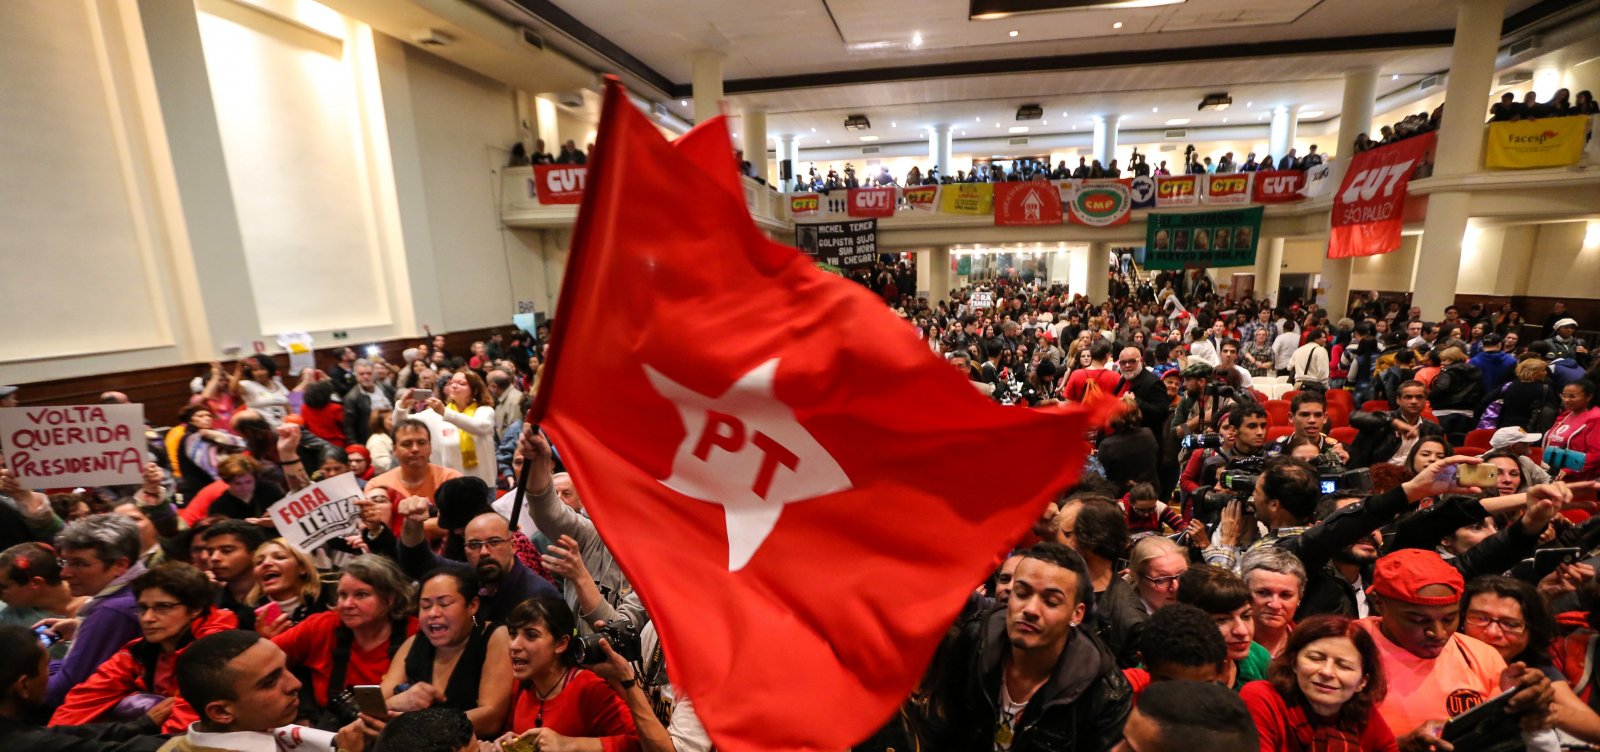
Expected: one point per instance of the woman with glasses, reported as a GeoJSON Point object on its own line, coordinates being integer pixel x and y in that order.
{"type": "Point", "coordinates": [1154, 566]}
{"type": "Point", "coordinates": [1513, 618]}
{"type": "Point", "coordinates": [460, 662]}
{"type": "Point", "coordinates": [175, 608]}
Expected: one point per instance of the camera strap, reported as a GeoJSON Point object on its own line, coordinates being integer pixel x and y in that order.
{"type": "Point", "coordinates": [343, 638]}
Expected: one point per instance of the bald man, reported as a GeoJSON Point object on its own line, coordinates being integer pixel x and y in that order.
{"type": "Point", "coordinates": [1143, 388]}
{"type": "Point", "coordinates": [490, 552]}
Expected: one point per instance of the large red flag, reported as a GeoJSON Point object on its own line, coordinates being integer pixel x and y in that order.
{"type": "Point", "coordinates": [800, 491]}
{"type": "Point", "coordinates": [1368, 211]}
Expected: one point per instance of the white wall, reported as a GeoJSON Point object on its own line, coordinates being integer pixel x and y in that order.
{"type": "Point", "coordinates": [465, 123]}
{"type": "Point", "coordinates": [82, 273]}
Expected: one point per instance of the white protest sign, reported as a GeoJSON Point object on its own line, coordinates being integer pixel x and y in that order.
{"type": "Point", "coordinates": [301, 356]}
{"type": "Point", "coordinates": [78, 445]}
{"type": "Point", "coordinates": [982, 299]}
{"type": "Point", "coordinates": [318, 513]}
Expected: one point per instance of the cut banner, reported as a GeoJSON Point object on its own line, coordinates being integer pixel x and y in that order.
{"type": "Point", "coordinates": [1214, 238]}
{"type": "Point", "coordinates": [1546, 142]}
{"type": "Point", "coordinates": [1278, 186]}
{"type": "Point", "coordinates": [1029, 203]}
{"type": "Point", "coordinates": [723, 456]}
{"type": "Point", "coordinates": [872, 202]}
{"type": "Point", "coordinates": [1368, 210]}
{"type": "Point", "coordinates": [559, 184]}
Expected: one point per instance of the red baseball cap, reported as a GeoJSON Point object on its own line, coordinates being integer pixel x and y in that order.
{"type": "Point", "coordinates": [1404, 573]}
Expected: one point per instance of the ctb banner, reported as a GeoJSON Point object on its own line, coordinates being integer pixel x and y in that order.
{"type": "Point", "coordinates": [1546, 142]}
{"type": "Point", "coordinates": [559, 184]}
{"type": "Point", "coordinates": [1367, 210]}
{"type": "Point", "coordinates": [924, 198]}
{"type": "Point", "coordinates": [1215, 238]}
{"type": "Point", "coordinates": [1228, 188]}
{"type": "Point", "coordinates": [1034, 202]}
{"type": "Point", "coordinates": [805, 205]}
{"type": "Point", "coordinates": [1177, 190]}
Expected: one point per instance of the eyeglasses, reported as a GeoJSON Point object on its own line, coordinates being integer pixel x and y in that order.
{"type": "Point", "coordinates": [161, 609]}
{"type": "Point", "coordinates": [1161, 582]}
{"type": "Point", "coordinates": [1507, 626]}
{"type": "Point", "coordinates": [474, 545]}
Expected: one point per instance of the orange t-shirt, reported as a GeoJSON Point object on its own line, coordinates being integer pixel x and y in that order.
{"type": "Point", "coordinates": [437, 475]}
{"type": "Point", "coordinates": [1465, 675]}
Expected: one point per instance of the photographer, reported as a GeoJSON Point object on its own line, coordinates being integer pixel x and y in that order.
{"type": "Point", "coordinates": [1202, 477]}
{"type": "Point", "coordinates": [1200, 404]}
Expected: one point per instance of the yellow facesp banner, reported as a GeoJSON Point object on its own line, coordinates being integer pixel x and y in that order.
{"type": "Point", "coordinates": [966, 198]}
{"type": "Point", "coordinates": [1546, 142]}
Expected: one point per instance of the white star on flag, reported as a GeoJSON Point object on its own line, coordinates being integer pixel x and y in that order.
{"type": "Point", "coordinates": [746, 451]}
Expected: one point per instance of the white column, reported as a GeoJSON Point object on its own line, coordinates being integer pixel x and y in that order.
{"type": "Point", "coordinates": [755, 141]}
{"type": "Point", "coordinates": [1460, 144]}
{"type": "Point", "coordinates": [1097, 283]}
{"type": "Point", "coordinates": [939, 149]}
{"type": "Point", "coordinates": [707, 85]}
{"type": "Point", "coordinates": [1355, 117]}
{"type": "Point", "coordinates": [1060, 266]}
{"type": "Point", "coordinates": [786, 151]}
{"type": "Point", "coordinates": [1281, 138]}
{"type": "Point", "coordinates": [1105, 138]}
{"type": "Point", "coordinates": [933, 273]}
{"type": "Point", "coordinates": [1269, 269]}
{"type": "Point", "coordinates": [544, 121]}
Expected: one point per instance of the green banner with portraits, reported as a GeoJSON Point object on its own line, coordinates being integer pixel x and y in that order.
{"type": "Point", "coordinates": [1176, 240]}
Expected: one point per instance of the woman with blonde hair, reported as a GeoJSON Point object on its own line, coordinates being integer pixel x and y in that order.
{"type": "Point", "coordinates": [1529, 402]}
{"type": "Point", "coordinates": [288, 587]}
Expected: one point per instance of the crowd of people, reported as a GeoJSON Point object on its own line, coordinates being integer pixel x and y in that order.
{"type": "Point", "coordinates": [1404, 535]}
{"type": "Point", "coordinates": [1560, 104]}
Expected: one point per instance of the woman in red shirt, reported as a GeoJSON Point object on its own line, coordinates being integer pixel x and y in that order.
{"type": "Point", "coordinates": [1577, 429]}
{"type": "Point", "coordinates": [175, 607]}
{"type": "Point", "coordinates": [1323, 692]}
{"type": "Point", "coordinates": [554, 698]}
{"type": "Point", "coordinates": [352, 644]}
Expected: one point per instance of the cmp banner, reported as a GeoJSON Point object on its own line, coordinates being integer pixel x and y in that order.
{"type": "Point", "coordinates": [1214, 238]}
{"type": "Point", "coordinates": [1101, 204]}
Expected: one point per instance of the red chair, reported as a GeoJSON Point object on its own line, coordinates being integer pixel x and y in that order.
{"type": "Point", "coordinates": [1472, 450]}
{"type": "Point", "coordinates": [1375, 406]}
{"type": "Point", "coordinates": [1261, 398]}
{"type": "Point", "coordinates": [1342, 398]}
{"type": "Point", "coordinates": [1290, 395]}
{"type": "Point", "coordinates": [1344, 435]}
{"type": "Point", "coordinates": [1338, 416]}
{"type": "Point", "coordinates": [1277, 432]}
{"type": "Point", "coordinates": [1479, 436]}
{"type": "Point", "coordinates": [1277, 412]}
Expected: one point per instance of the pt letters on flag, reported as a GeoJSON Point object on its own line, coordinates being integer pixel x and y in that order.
{"type": "Point", "coordinates": [757, 443]}
{"type": "Point", "coordinates": [559, 184]}
{"type": "Point", "coordinates": [966, 198]}
{"type": "Point", "coordinates": [1031, 202]}
{"type": "Point", "coordinates": [1546, 142]}
{"type": "Point", "coordinates": [1279, 186]}
{"type": "Point", "coordinates": [872, 202]}
{"type": "Point", "coordinates": [1101, 204]}
{"type": "Point", "coordinates": [1214, 238]}
{"type": "Point", "coordinates": [1177, 190]}
{"type": "Point", "coordinates": [1367, 210]}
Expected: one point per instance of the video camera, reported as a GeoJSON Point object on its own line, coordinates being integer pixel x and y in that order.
{"type": "Point", "coordinates": [1353, 481]}
{"type": "Point", "coordinates": [1238, 480]}
{"type": "Point", "coordinates": [1202, 441]}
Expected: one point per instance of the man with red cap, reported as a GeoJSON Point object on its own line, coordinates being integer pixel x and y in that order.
{"type": "Point", "coordinates": [1434, 672]}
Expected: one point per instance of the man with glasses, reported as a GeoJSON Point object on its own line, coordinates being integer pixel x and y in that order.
{"type": "Point", "coordinates": [99, 559]}
{"type": "Point", "coordinates": [506, 582]}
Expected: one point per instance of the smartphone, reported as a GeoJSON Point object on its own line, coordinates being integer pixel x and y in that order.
{"type": "Point", "coordinates": [1482, 475]}
{"type": "Point", "coordinates": [269, 613]}
{"type": "Point", "coordinates": [369, 697]}
{"type": "Point", "coordinates": [46, 637]}
{"type": "Point", "coordinates": [421, 395]}
{"type": "Point", "coordinates": [1545, 560]}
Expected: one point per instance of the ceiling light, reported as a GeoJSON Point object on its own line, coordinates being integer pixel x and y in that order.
{"type": "Point", "coordinates": [977, 119]}
{"type": "Point", "coordinates": [963, 134]}
{"type": "Point", "coordinates": [869, 138]}
{"type": "Point", "coordinates": [1261, 117]}
{"type": "Point", "coordinates": [1065, 114]}
{"type": "Point", "coordinates": [1155, 109]}
{"type": "Point", "coordinates": [829, 141]}
{"type": "Point", "coordinates": [1178, 121]}
{"type": "Point", "coordinates": [989, 16]}
{"type": "Point", "coordinates": [997, 125]}
{"type": "Point", "coordinates": [813, 130]}
{"type": "Point", "coordinates": [1117, 25]}
{"type": "Point", "coordinates": [1018, 129]}
{"type": "Point", "coordinates": [1249, 104]}
{"type": "Point", "coordinates": [893, 124]}
{"type": "Point", "coordinates": [1011, 33]}
{"type": "Point", "coordinates": [1224, 120]}
{"type": "Point", "coordinates": [683, 103]}
{"type": "Point", "coordinates": [916, 39]}
{"type": "Point", "coordinates": [1395, 77]}
{"type": "Point", "coordinates": [1044, 122]}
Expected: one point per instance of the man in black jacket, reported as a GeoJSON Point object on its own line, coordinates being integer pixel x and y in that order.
{"type": "Point", "coordinates": [25, 674]}
{"type": "Point", "coordinates": [360, 401]}
{"type": "Point", "coordinates": [1389, 435]}
{"type": "Point", "coordinates": [1032, 676]}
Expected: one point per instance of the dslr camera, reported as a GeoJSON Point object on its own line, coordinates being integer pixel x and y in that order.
{"type": "Point", "coordinates": [1221, 390]}
{"type": "Point", "coordinates": [622, 635]}
{"type": "Point", "coordinates": [1238, 480]}
{"type": "Point", "coordinates": [1202, 441]}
